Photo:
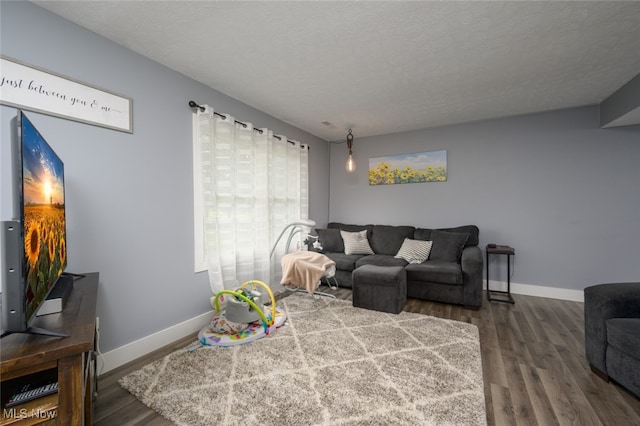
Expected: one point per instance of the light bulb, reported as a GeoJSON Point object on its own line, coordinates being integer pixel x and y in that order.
{"type": "Point", "coordinates": [351, 164]}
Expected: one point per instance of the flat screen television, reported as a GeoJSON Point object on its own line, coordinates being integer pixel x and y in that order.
{"type": "Point", "coordinates": [35, 241]}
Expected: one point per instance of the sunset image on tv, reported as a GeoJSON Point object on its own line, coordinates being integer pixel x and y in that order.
{"type": "Point", "coordinates": [44, 216]}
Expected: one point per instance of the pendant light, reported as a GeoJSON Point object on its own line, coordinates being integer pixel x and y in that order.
{"type": "Point", "coordinates": [351, 164]}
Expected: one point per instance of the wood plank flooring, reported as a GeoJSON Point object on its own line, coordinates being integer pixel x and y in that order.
{"type": "Point", "coordinates": [535, 371]}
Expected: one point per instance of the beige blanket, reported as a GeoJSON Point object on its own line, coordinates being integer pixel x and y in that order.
{"type": "Point", "coordinates": [304, 269]}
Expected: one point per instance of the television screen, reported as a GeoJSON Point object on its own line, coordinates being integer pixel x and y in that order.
{"type": "Point", "coordinates": [42, 216]}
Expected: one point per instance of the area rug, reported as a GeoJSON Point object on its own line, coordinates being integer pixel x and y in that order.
{"type": "Point", "coordinates": [330, 364]}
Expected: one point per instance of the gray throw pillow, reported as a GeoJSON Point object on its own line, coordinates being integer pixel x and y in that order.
{"type": "Point", "coordinates": [330, 240]}
{"type": "Point", "coordinates": [447, 246]}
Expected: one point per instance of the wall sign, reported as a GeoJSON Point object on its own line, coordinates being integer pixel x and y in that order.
{"type": "Point", "coordinates": [34, 89]}
{"type": "Point", "coordinates": [408, 168]}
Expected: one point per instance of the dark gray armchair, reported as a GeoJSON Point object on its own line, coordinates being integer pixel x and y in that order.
{"type": "Point", "coordinates": [612, 332]}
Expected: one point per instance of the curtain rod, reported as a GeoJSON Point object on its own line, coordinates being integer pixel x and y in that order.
{"type": "Point", "coordinates": [192, 104]}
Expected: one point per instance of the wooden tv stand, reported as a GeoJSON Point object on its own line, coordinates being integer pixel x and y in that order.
{"type": "Point", "coordinates": [23, 355]}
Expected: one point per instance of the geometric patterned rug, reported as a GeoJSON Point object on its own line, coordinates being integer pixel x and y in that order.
{"type": "Point", "coordinates": [330, 364]}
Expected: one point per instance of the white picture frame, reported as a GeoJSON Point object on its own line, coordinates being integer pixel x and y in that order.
{"type": "Point", "coordinates": [34, 89]}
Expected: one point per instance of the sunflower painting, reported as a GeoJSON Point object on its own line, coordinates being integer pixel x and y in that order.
{"type": "Point", "coordinates": [408, 168]}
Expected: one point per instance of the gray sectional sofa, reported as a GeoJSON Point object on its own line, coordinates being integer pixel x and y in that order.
{"type": "Point", "coordinates": [612, 332]}
{"type": "Point", "coordinates": [451, 274]}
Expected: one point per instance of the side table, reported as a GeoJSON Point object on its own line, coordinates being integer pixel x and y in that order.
{"type": "Point", "coordinates": [503, 296]}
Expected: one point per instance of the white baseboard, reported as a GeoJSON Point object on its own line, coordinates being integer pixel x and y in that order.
{"type": "Point", "coordinates": [538, 291]}
{"type": "Point", "coordinates": [150, 343]}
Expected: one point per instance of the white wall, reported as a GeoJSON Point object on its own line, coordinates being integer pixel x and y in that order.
{"type": "Point", "coordinates": [560, 190]}
{"type": "Point", "coordinates": [129, 197]}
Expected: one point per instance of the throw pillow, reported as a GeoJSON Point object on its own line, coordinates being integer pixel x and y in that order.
{"type": "Point", "coordinates": [330, 240]}
{"type": "Point", "coordinates": [356, 242]}
{"type": "Point", "coordinates": [414, 251]}
{"type": "Point", "coordinates": [447, 246]}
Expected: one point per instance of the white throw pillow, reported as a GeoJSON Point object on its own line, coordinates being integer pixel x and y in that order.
{"type": "Point", "coordinates": [356, 242]}
{"type": "Point", "coordinates": [414, 251]}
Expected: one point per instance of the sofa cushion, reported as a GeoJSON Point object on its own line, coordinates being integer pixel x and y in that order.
{"type": "Point", "coordinates": [356, 242]}
{"type": "Point", "coordinates": [330, 240]}
{"type": "Point", "coordinates": [388, 239]}
{"type": "Point", "coordinates": [422, 234]}
{"type": "Point", "coordinates": [447, 246]}
{"type": "Point", "coordinates": [435, 271]}
{"type": "Point", "coordinates": [624, 334]}
{"type": "Point", "coordinates": [380, 260]}
{"type": "Point", "coordinates": [472, 230]}
{"type": "Point", "coordinates": [344, 262]}
{"type": "Point", "coordinates": [350, 228]}
{"type": "Point", "coordinates": [414, 251]}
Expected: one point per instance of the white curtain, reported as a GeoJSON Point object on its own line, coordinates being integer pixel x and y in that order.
{"type": "Point", "coordinates": [251, 184]}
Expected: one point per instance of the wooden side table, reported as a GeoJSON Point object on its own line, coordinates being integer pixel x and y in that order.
{"type": "Point", "coordinates": [503, 296]}
{"type": "Point", "coordinates": [69, 357]}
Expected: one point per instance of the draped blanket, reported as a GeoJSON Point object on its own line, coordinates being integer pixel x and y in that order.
{"type": "Point", "coordinates": [304, 269]}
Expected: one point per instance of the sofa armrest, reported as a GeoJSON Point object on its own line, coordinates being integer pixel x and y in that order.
{"type": "Point", "coordinates": [603, 302]}
{"type": "Point", "coordinates": [472, 263]}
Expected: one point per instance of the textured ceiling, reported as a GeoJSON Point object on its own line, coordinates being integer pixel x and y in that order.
{"type": "Point", "coordinates": [382, 67]}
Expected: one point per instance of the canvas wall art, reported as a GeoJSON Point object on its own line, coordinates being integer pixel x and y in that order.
{"type": "Point", "coordinates": [408, 168]}
{"type": "Point", "coordinates": [34, 89]}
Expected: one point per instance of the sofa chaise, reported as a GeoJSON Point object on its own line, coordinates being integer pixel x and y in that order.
{"type": "Point", "coordinates": [452, 273]}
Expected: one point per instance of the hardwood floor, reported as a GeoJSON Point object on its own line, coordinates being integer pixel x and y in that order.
{"type": "Point", "coordinates": [534, 368]}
